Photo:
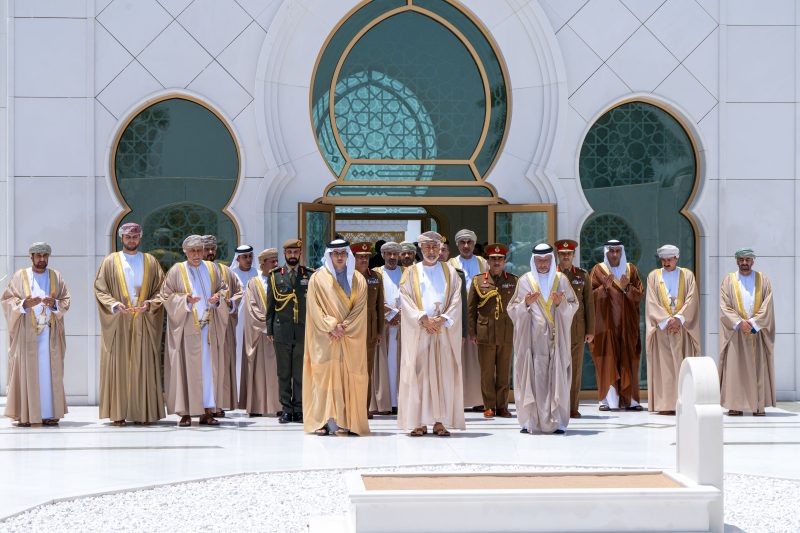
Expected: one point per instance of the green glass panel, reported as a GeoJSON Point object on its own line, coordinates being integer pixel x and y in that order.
{"type": "Point", "coordinates": [401, 191]}
{"type": "Point", "coordinates": [637, 170]}
{"type": "Point", "coordinates": [318, 233]}
{"type": "Point", "coordinates": [521, 231]}
{"type": "Point", "coordinates": [407, 172]}
{"type": "Point", "coordinates": [177, 167]}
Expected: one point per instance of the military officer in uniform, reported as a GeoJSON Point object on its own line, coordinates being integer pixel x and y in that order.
{"type": "Point", "coordinates": [375, 310]}
{"type": "Point", "coordinates": [491, 328]}
{"type": "Point", "coordinates": [286, 313]}
{"type": "Point", "coordinates": [583, 320]}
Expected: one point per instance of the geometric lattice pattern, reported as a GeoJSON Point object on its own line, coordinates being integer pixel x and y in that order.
{"type": "Point", "coordinates": [142, 143]}
{"type": "Point", "coordinates": [600, 228]}
{"type": "Point", "coordinates": [166, 228]}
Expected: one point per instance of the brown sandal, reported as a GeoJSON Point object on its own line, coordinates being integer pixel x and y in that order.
{"type": "Point", "coordinates": [119, 423]}
{"type": "Point", "coordinates": [324, 431]}
{"type": "Point", "coordinates": [50, 422]}
{"type": "Point", "coordinates": [603, 407]}
{"type": "Point", "coordinates": [733, 412]}
{"type": "Point", "coordinates": [418, 432]}
{"type": "Point", "coordinates": [185, 422]}
{"type": "Point", "coordinates": [439, 430]}
{"type": "Point", "coordinates": [22, 424]}
{"type": "Point", "coordinates": [208, 420]}
{"type": "Point", "coordinates": [759, 413]}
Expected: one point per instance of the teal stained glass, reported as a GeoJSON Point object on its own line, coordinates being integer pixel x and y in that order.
{"type": "Point", "coordinates": [409, 89]}
{"type": "Point", "coordinates": [402, 191]}
{"type": "Point", "coordinates": [177, 167]}
{"type": "Point", "coordinates": [522, 230]}
{"type": "Point", "coordinates": [638, 170]}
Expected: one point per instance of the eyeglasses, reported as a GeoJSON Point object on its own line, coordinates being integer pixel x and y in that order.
{"type": "Point", "coordinates": [339, 253]}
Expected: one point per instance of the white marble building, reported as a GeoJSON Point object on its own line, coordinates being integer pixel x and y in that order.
{"type": "Point", "coordinates": [75, 72]}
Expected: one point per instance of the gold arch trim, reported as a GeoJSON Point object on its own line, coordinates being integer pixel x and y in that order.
{"type": "Point", "coordinates": [684, 210]}
{"type": "Point", "coordinates": [130, 118]}
{"type": "Point", "coordinates": [410, 7]}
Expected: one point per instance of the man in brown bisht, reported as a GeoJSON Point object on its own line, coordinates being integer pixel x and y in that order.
{"type": "Point", "coordinates": [34, 303]}
{"type": "Point", "coordinates": [226, 394]}
{"type": "Point", "coordinates": [362, 253]}
{"type": "Point", "coordinates": [616, 348]}
{"type": "Point", "coordinates": [542, 308]}
{"type": "Point", "coordinates": [430, 391]}
{"type": "Point", "coordinates": [261, 381]}
{"type": "Point", "coordinates": [127, 288]}
{"type": "Point", "coordinates": [747, 339]}
{"type": "Point", "coordinates": [386, 375]}
{"type": "Point", "coordinates": [471, 265]}
{"type": "Point", "coordinates": [582, 331]}
{"type": "Point", "coordinates": [672, 323]}
{"type": "Point", "coordinates": [197, 320]}
{"type": "Point", "coordinates": [335, 378]}
{"type": "Point", "coordinates": [491, 328]}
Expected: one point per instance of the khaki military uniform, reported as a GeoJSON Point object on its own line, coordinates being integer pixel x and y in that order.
{"type": "Point", "coordinates": [286, 316]}
{"type": "Point", "coordinates": [489, 323]}
{"type": "Point", "coordinates": [582, 325]}
{"type": "Point", "coordinates": [375, 321]}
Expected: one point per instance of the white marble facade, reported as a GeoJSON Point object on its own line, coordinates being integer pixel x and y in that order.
{"type": "Point", "coordinates": [73, 71]}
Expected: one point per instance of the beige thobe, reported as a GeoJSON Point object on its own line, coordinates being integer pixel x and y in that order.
{"type": "Point", "coordinates": [227, 395]}
{"type": "Point", "coordinates": [746, 364]}
{"type": "Point", "coordinates": [542, 344]}
{"type": "Point", "coordinates": [23, 395]}
{"type": "Point", "coordinates": [430, 365]}
{"type": "Point", "coordinates": [130, 344]}
{"type": "Point", "coordinates": [183, 364]}
{"type": "Point", "coordinates": [666, 351]}
{"type": "Point", "coordinates": [261, 380]}
{"type": "Point", "coordinates": [335, 377]}
{"type": "Point", "coordinates": [470, 362]}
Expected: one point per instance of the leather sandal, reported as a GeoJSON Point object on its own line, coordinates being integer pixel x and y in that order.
{"type": "Point", "coordinates": [208, 420]}
{"type": "Point", "coordinates": [50, 422]}
{"type": "Point", "coordinates": [22, 424]}
{"type": "Point", "coordinates": [324, 431]}
{"type": "Point", "coordinates": [119, 423]}
{"type": "Point", "coordinates": [759, 413]}
{"type": "Point", "coordinates": [634, 408]}
{"type": "Point", "coordinates": [439, 430]}
{"type": "Point", "coordinates": [418, 432]}
{"type": "Point", "coordinates": [733, 412]}
{"type": "Point", "coordinates": [185, 421]}
{"type": "Point", "coordinates": [603, 407]}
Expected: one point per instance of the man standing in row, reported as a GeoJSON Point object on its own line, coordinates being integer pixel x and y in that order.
{"type": "Point", "coordinates": [430, 368]}
{"type": "Point", "coordinates": [196, 327]}
{"type": "Point", "coordinates": [260, 385]}
{"type": "Point", "coordinates": [672, 326]}
{"type": "Point", "coordinates": [34, 303]}
{"type": "Point", "coordinates": [242, 267]}
{"type": "Point", "coordinates": [335, 359]}
{"type": "Point", "coordinates": [361, 251]}
{"type": "Point", "coordinates": [408, 254]}
{"type": "Point", "coordinates": [616, 348]}
{"type": "Point", "coordinates": [226, 393]}
{"type": "Point", "coordinates": [491, 328]}
{"type": "Point", "coordinates": [385, 373]}
{"type": "Point", "coordinates": [286, 315]}
{"type": "Point", "coordinates": [582, 331]}
{"type": "Point", "coordinates": [471, 265]}
{"type": "Point", "coordinates": [747, 339]}
{"type": "Point", "coordinates": [542, 310]}
{"type": "Point", "coordinates": [127, 288]}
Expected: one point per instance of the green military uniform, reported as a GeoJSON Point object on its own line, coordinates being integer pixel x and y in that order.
{"type": "Point", "coordinates": [582, 320]}
{"type": "Point", "coordinates": [490, 325]}
{"type": "Point", "coordinates": [286, 316]}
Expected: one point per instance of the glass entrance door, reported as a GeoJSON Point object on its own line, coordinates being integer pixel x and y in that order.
{"type": "Point", "coordinates": [521, 227]}
{"type": "Point", "coordinates": [317, 223]}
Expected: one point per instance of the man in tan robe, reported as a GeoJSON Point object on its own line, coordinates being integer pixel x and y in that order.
{"type": "Point", "coordinates": [616, 347]}
{"type": "Point", "coordinates": [261, 382]}
{"type": "Point", "coordinates": [430, 389]}
{"type": "Point", "coordinates": [747, 339]}
{"type": "Point", "coordinates": [385, 376]}
{"type": "Point", "coordinates": [472, 265]}
{"type": "Point", "coordinates": [34, 303]}
{"type": "Point", "coordinates": [673, 328]}
{"type": "Point", "coordinates": [226, 394]}
{"type": "Point", "coordinates": [197, 319]}
{"type": "Point", "coordinates": [335, 374]}
{"type": "Point", "coordinates": [542, 309]}
{"type": "Point", "coordinates": [127, 288]}
{"type": "Point", "coordinates": [362, 253]}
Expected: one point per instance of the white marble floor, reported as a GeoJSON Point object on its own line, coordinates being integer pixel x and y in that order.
{"type": "Point", "coordinates": [84, 456]}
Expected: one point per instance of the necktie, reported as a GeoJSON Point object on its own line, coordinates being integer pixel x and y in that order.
{"type": "Point", "coordinates": [292, 276]}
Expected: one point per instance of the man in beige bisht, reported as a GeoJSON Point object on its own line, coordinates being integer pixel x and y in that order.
{"type": "Point", "coordinates": [541, 309]}
{"type": "Point", "coordinates": [226, 394]}
{"type": "Point", "coordinates": [430, 389]}
{"type": "Point", "coordinates": [335, 377]}
{"type": "Point", "coordinates": [197, 320]}
{"type": "Point", "coordinates": [261, 382]}
{"type": "Point", "coordinates": [471, 265]}
{"type": "Point", "coordinates": [127, 288]}
{"type": "Point", "coordinates": [747, 339]}
{"type": "Point", "coordinates": [387, 360]}
{"type": "Point", "coordinates": [34, 304]}
{"type": "Point", "coordinates": [408, 254]}
{"type": "Point", "coordinates": [673, 328]}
